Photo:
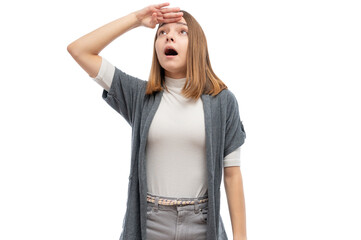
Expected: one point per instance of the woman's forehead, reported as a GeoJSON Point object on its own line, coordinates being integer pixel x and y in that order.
{"type": "Point", "coordinates": [182, 22]}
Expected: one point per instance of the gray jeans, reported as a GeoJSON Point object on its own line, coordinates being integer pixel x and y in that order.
{"type": "Point", "coordinates": [177, 222]}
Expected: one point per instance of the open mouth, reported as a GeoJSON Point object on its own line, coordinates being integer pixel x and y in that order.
{"type": "Point", "coordinates": [170, 52]}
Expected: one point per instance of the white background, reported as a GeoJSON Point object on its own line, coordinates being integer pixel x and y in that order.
{"type": "Point", "coordinates": [294, 67]}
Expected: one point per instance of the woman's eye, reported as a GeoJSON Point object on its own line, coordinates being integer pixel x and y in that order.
{"type": "Point", "coordinates": [161, 32]}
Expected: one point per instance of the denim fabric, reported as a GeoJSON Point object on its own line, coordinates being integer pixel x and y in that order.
{"type": "Point", "coordinates": [178, 222]}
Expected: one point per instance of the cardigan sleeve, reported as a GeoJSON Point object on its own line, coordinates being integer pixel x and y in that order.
{"type": "Point", "coordinates": [235, 134]}
{"type": "Point", "coordinates": [123, 90]}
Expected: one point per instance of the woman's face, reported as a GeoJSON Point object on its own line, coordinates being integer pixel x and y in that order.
{"type": "Point", "coordinates": [171, 48]}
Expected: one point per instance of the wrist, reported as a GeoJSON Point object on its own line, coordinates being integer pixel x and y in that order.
{"type": "Point", "coordinates": [135, 19]}
{"type": "Point", "coordinates": [238, 237]}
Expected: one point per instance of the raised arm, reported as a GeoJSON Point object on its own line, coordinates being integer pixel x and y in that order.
{"type": "Point", "coordinates": [85, 50]}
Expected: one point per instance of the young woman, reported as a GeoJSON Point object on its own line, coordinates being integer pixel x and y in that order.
{"type": "Point", "coordinates": [185, 129]}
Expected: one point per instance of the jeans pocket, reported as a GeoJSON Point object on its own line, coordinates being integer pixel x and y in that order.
{"type": "Point", "coordinates": [203, 214]}
{"type": "Point", "coordinates": [149, 211]}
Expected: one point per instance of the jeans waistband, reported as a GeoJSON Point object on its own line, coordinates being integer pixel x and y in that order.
{"type": "Point", "coordinates": [175, 201]}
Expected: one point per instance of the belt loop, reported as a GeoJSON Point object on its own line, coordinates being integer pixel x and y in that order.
{"type": "Point", "coordinates": [196, 206]}
{"type": "Point", "coordinates": [156, 204]}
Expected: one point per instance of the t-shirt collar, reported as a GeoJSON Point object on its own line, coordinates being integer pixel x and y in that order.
{"type": "Point", "coordinates": [175, 82]}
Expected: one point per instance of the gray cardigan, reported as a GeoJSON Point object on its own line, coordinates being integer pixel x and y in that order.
{"type": "Point", "coordinates": [224, 134]}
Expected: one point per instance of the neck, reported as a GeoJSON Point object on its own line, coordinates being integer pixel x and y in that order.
{"type": "Point", "coordinates": [175, 75]}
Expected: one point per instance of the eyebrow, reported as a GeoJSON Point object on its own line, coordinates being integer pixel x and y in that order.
{"type": "Point", "coordinates": [161, 25]}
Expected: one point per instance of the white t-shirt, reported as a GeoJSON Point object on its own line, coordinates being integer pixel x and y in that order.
{"type": "Point", "coordinates": [175, 150]}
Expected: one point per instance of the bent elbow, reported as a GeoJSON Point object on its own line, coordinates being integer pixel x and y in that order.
{"type": "Point", "coordinates": [72, 50]}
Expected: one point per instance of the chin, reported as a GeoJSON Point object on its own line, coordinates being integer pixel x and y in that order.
{"type": "Point", "coordinates": [171, 69]}
{"type": "Point", "coordinates": [173, 66]}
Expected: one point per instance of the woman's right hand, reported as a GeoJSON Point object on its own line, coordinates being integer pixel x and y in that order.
{"type": "Point", "coordinates": [154, 14]}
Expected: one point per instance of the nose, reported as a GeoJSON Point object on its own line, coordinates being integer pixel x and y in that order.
{"type": "Point", "coordinates": [170, 39]}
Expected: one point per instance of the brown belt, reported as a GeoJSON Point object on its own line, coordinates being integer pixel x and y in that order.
{"type": "Point", "coordinates": [167, 201]}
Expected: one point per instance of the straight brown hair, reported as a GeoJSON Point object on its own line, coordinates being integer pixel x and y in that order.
{"type": "Point", "coordinates": [200, 78]}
